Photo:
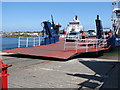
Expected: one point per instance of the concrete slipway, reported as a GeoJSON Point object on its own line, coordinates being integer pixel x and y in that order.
{"type": "Point", "coordinates": [38, 72]}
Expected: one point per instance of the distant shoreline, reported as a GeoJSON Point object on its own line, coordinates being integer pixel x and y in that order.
{"type": "Point", "coordinates": [23, 35]}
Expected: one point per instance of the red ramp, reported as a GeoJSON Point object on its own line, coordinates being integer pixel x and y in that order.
{"type": "Point", "coordinates": [55, 50]}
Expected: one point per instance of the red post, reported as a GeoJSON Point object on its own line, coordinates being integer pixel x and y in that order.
{"type": "Point", "coordinates": [4, 75]}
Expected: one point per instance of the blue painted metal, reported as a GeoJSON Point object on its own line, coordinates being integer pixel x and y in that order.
{"type": "Point", "coordinates": [46, 41]}
{"type": "Point", "coordinates": [111, 41]}
{"type": "Point", "coordinates": [49, 29]}
{"type": "Point", "coordinates": [52, 32]}
{"type": "Point", "coordinates": [117, 41]}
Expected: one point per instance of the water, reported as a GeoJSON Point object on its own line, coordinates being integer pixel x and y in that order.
{"type": "Point", "coordinates": [10, 43]}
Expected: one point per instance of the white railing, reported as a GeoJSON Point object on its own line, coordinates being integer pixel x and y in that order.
{"type": "Point", "coordinates": [117, 26]}
{"type": "Point", "coordinates": [74, 42]}
{"type": "Point", "coordinates": [95, 43]}
{"type": "Point", "coordinates": [62, 35]}
{"type": "Point", "coordinates": [29, 41]}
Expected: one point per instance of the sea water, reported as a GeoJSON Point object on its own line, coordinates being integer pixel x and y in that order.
{"type": "Point", "coordinates": [12, 42]}
{"type": "Point", "coordinates": [9, 43]}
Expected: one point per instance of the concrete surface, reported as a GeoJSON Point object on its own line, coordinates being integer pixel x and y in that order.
{"type": "Point", "coordinates": [38, 72]}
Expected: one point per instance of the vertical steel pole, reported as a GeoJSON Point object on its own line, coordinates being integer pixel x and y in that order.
{"type": "Point", "coordinates": [102, 42]}
{"type": "Point", "coordinates": [19, 42]}
{"type": "Point", "coordinates": [76, 45]}
{"type": "Point", "coordinates": [96, 44]}
{"type": "Point", "coordinates": [86, 45]}
{"type": "Point", "coordinates": [34, 41]}
{"type": "Point", "coordinates": [39, 41]}
{"type": "Point", "coordinates": [65, 44]}
{"type": "Point", "coordinates": [27, 42]}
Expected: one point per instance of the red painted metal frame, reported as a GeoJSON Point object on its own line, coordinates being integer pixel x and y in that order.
{"type": "Point", "coordinates": [4, 76]}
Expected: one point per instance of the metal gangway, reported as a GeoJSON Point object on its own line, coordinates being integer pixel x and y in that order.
{"type": "Point", "coordinates": [30, 41]}
{"type": "Point", "coordinates": [84, 44]}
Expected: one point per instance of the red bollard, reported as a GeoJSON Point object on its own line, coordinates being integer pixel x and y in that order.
{"type": "Point", "coordinates": [4, 75]}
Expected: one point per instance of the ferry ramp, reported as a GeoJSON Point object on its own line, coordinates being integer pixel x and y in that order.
{"type": "Point", "coordinates": [56, 50]}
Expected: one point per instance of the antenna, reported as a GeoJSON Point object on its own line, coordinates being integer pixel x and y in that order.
{"type": "Point", "coordinates": [52, 20]}
{"type": "Point", "coordinates": [53, 24]}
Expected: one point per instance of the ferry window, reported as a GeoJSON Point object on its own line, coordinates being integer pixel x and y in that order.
{"type": "Point", "coordinates": [73, 34]}
{"type": "Point", "coordinates": [118, 14]}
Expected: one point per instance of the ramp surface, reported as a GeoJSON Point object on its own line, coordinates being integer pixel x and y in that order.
{"type": "Point", "coordinates": [55, 50]}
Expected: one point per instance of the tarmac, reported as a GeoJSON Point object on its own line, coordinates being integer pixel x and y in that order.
{"type": "Point", "coordinates": [76, 73]}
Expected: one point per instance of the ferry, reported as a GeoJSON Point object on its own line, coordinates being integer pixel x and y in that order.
{"type": "Point", "coordinates": [75, 29]}
{"type": "Point", "coordinates": [74, 25]}
{"type": "Point", "coordinates": [51, 45]}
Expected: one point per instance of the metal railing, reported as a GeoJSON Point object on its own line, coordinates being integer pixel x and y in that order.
{"type": "Point", "coordinates": [117, 26]}
{"type": "Point", "coordinates": [84, 43]}
{"type": "Point", "coordinates": [29, 41]}
{"type": "Point", "coordinates": [62, 35]}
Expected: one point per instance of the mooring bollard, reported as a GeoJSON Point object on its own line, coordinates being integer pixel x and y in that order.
{"type": "Point", "coordinates": [4, 75]}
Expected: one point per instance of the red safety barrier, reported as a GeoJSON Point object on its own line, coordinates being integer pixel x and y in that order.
{"type": "Point", "coordinates": [4, 75]}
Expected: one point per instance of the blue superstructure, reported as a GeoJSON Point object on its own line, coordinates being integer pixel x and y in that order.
{"type": "Point", "coordinates": [50, 32]}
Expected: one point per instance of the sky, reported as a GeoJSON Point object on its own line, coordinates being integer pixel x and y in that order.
{"type": "Point", "coordinates": [28, 16]}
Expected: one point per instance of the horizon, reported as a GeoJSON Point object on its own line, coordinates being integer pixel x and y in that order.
{"type": "Point", "coordinates": [27, 16]}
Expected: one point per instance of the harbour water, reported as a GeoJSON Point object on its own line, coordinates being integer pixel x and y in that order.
{"type": "Point", "coordinates": [10, 43]}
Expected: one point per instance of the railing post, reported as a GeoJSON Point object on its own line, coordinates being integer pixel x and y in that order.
{"type": "Point", "coordinates": [86, 45]}
{"type": "Point", "coordinates": [65, 44]}
{"type": "Point", "coordinates": [93, 44]}
{"type": "Point", "coordinates": [19, 42]}
{"type": "Point", "coordinates": [34, 41]}
{"type": "Point", "coordinates": [39, 41]}
{"type": "Point", "coordinates": [96, 44]}
{"type": "Point", "coordinates": [103, 42]}
{"type": "Point", "coordinates": [27, 42]}
{"type": "Point", "coordinates": [76, 44]}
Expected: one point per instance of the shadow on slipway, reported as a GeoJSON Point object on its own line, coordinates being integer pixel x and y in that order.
{"type": "Point", "coordinates": [35, 57]}
{"type": "Point", "coordinates": [54, 59]}
{"type": "Point", "coordinates": [106, 75]}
